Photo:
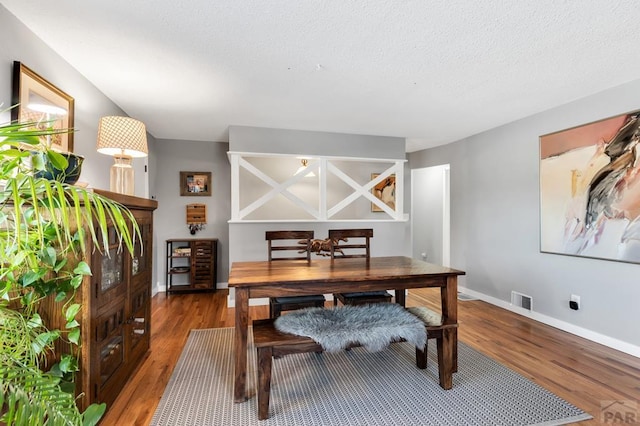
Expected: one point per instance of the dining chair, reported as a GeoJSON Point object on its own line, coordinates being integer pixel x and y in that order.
{"type": "Point", "coordinates": [344, 246]}
{"type": "Point", "coordinates": [291, 245]}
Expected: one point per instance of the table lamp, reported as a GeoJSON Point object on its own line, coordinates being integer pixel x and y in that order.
{"type": "Point", "coordinates": [122, 138]}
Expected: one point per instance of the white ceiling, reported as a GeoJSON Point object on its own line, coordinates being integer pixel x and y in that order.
{"type": "Point", "coordinates": [433, 71]}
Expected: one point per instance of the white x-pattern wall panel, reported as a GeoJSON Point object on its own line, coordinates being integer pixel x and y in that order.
{"type": "Point", "coordinates": [267, 187]}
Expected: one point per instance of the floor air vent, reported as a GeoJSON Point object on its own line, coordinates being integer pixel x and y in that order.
{"type": "Point", "coordinates": [521, 300]}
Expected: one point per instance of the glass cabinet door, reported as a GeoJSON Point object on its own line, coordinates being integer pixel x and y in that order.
{"type": "Point", "coordinates": [112, 270]}
{"type": "Point", "coordinates": [139, 263]}
{"type": "Point", "coordinates": [109, 271]}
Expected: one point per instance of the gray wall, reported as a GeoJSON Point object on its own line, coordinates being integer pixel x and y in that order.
{"type": "Point", "coordinates": [172, 157]}
{"type": "Point", "coordinates": [280, 141]}
{"type": "Point", "coordinates": [17, 43]}
{"type": "Point", "coordinates": [427, 214]}
{"type": "Point", "coordinates": [495, 225]}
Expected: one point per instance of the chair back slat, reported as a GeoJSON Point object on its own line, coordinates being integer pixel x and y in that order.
{"type": "Point", "coordinates": [289, 245]}
{"type": "Point", "coordinates": [343, 246]}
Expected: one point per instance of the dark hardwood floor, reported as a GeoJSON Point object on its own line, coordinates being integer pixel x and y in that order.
{"type": "Point", "coordinates": [582, 372]}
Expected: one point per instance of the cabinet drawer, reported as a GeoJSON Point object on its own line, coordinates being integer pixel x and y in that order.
{"type": "Point", "coordinates": [203, 249]}
{"type": "Point", "coordinates": [111, 357]}
{"type": "Point", "coordinates": [139, 329]}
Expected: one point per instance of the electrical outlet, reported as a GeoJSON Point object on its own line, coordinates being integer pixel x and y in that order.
{"type": "Point", "coordinates": [574, 302]}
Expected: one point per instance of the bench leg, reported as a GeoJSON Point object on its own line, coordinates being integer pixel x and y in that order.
{"type": "Point", "coordinates": [275, 310]}
{"type": "Point", "coordinates": [265, 361]}
{"type": "Point", "coordinates": [445, 358]}
{"type": "Point", "coordinates": [421, 356]}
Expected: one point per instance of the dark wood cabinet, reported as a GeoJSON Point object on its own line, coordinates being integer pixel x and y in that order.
{"type": "Point", "coordinates": [191, 265]}
{"type": "Point", "coordinates": [116, 309]}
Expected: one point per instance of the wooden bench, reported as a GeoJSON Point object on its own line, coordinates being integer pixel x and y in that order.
{"type": "Point", "coordinates": [270, 342]}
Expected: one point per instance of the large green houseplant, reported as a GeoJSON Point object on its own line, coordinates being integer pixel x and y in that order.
{"type": "Point", "coordinates": [44, 224]}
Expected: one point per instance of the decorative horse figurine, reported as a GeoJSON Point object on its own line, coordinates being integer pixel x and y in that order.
{"type": "Point", "coordinates": [323, 247]}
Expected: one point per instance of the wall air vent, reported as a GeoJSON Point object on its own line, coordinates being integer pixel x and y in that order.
{"type": "Point", "coordinates": [521, 300]}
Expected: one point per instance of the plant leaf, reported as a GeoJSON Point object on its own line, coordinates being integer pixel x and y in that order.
{"type": "Point", "coordinates": [92, 414]}
{"type": "Point", "coordinates": [57, 160]}
{"type": "Point", "coordinates": [72, 311]}
{"type": "Point", "coordinates": [76, 281]}
{"type": "Point", "coordinates": [74, 336]}
{"type": "Point", "coordinates": [82, 269]}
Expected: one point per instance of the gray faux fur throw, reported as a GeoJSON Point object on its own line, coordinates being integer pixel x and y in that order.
{"type": "Point", "coordinates": [373, 326]}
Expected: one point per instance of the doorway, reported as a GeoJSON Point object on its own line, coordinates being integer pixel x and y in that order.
{"type": "Point", "coordinates": [430, 214]}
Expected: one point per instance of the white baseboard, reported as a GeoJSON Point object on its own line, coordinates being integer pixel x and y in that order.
{"type": "Point", "coordinates": [562, 325]}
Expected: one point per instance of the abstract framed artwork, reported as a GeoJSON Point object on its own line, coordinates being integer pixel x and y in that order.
{"type": "Point", "coordinates": [590, 190]}
{"type": "Point", "coordinates": [41, 102]}
{"type": "Point", "coordinates": [195, 184]}
{"type": "Point", "coordinates": [385, 190]}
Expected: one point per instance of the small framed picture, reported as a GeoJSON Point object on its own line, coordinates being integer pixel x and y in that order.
{"type": "Point", "coordinates": [194, 184]}
{"type": "Point", "coordinates": [385, 191]}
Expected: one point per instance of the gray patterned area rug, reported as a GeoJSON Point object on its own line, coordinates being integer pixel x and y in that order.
{"type": "Point", "coordinates": [354, 387]}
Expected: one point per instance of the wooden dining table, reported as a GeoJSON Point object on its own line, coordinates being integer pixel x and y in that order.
{"type": "Point", "coordinates": [299, 277]}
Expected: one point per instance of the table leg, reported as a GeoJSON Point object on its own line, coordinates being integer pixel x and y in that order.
{"type": "Point", "coordinates": [449, 297]}
{"type": "Point", "coordinates": [241, 332]}
{"type": "Point", "coordinates": [401, 297]}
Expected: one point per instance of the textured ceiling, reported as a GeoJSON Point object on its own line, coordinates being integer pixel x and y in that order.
{"type": "Point", "coordinates": [431, 71]}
